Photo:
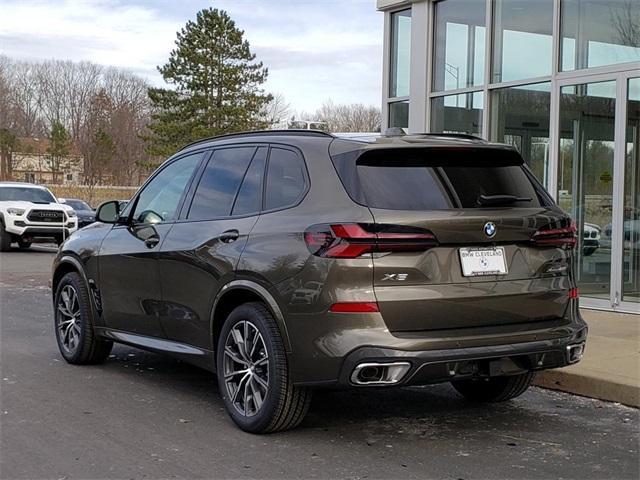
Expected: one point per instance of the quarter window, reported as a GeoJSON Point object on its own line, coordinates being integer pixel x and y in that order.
{"type": "Point", "coordinates": [285, 178]}
{"type": "Point", "coordinates": [219, 183]}
{"type": "Point", "coordinates": [159, 200]}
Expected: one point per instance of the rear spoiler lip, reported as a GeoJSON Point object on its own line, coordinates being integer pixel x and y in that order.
{"type": "Point", "coordinates": [340, 146]}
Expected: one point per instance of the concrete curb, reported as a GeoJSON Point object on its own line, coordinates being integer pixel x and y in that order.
{"type": "Point", "coordinates": [589, 386]}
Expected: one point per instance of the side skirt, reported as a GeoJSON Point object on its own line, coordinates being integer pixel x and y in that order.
{"type": "Point", "coordinates": [194, 355]}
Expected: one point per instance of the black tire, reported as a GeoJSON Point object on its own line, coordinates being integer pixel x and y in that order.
{"type": "Point", "coordinates": [87, 347]}
{"type": "Point", "coordinates": [5, 239]}
{"type": "Point", "coordinates": [284, 405]}
{"type": "Point", "coordinates": [588, 251]}
{"type": "Point", "coordinates": [496, 389]}
{"type": "Point", "coordinates": [23, 244]}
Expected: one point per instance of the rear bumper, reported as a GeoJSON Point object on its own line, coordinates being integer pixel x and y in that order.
{"type": "Point", "coordinates": [327, 351]}
{"type": "Point", "coordinates": [438, 366]}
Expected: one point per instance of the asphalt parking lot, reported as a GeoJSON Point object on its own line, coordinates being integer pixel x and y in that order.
{"type": "Point", "coordinates": [141, 415]}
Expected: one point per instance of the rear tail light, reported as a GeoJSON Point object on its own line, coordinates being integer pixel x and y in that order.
{"type": "Point", "coordinates": [556, 237]}
{"type": "Point", "coordinates": [573, 293]}
{"type": "Point", "coordinates": [351, 240]}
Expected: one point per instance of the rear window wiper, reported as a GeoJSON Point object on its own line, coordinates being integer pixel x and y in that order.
{"type": "Point", "coordinates": [500, 199]}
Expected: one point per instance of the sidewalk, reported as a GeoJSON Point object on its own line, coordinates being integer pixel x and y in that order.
{"type": "Point", "coordinates": [610, 369]}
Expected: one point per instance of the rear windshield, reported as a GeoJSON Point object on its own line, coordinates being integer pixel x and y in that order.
{"type": "Point", "coordinates": [433, 179]}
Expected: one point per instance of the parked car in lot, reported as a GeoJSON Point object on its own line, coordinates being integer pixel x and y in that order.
{"type": "Point", "coordinates": [29, 211]}
{"type": "Point", "coordinates": [286, 261]}
{"type": "Point", "coordinates": [590, 238]}
{"type": "Point", "coordinates": [630, 235]}
{"type": "Point", "coordinates": [86, 214]}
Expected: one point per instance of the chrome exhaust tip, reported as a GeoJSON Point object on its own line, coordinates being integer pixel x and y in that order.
{"type": "Point", "coordinates": [379, 373]}
{"type": "Point", "coordinates": [575, 352]}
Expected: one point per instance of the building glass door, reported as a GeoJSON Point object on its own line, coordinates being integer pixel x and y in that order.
{"type": "Point", "coordinates": [585, 178]}
{"type": "Point", "coordinates": [598, 179]}
{"type": "Point", "coordinates": [631, 211]}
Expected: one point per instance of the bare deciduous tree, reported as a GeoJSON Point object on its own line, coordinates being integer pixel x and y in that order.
{"type": "Point", "coordinates": [626, 20]}
{"type": "Point", "coordinates": [95, 143]}
{"type": "Point", "coordinates": [91, 102]}
{"type": "Point", "coordinates": [277, 110]}
{"type": "Point", "coordinates": [349, 118]}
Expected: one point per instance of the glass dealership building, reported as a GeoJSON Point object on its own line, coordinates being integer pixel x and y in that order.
{"type": "Point", "coordinates": [559, 80]}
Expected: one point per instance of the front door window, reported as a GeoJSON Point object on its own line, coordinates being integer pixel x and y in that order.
{"type": "Point", "coordinates": [159, 201]}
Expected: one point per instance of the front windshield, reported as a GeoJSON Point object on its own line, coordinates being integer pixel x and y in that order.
{"type": "Point", "coordinates": [26, 194]}
{"type": "Point", "coordinates": [77, 205]}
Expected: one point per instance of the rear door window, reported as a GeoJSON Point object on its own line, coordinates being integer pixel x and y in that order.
{"type": "Point", "coordinates": [286, 179]}
{"type": "Point", "coordinates": [249, 198]}
{"type": "Point", "coordinates": [219, 183]}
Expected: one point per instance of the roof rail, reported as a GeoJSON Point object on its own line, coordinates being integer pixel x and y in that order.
{"type": "Point", "coordinates": [293, 131]}
{"type": "Point", "coordinates": [454, 135]}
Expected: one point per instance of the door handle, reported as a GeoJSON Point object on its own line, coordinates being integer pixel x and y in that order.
{"type": "Point", "coordinates": [229, 236]}
{"type": "Point", "coordinates": [152, 241]}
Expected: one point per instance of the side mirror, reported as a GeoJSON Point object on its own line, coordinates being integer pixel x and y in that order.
{"type": "Point", "coordinates": [108, 212]}
{"type": "Point", "coordinates": [62, 200]}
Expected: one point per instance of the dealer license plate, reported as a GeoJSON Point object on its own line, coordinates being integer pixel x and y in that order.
{"type": "Point", "coordinates": [483, 261]}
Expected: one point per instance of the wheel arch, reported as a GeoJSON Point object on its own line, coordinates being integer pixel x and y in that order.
{"type": "Point", "coordinates": [65, 265]}
{"type": "Point", "coordinates": [238, 292]}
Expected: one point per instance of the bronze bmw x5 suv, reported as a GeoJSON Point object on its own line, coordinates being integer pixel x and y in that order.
{"type": "Point", "coordinates": [286, 261]}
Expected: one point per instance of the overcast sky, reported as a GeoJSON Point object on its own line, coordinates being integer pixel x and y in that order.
{"type": "Point", "coordinates": [315, 49]}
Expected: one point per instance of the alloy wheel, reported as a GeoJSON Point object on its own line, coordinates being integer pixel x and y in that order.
{"type": "Point", "coordinates": [68, 316]}
{"type": "Point", "coordinates": [246, 368]}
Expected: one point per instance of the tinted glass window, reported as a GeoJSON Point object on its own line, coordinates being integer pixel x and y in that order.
{"type": "Point", "coordinates": [285, 179]}
{"type": "Point", "coordinates": [249, 198]}
{"type": "Point", "coordinates": [399, 114]}
{"type": "Point", "coordinates": [159, 200]}
{"type": "Point", "coordinates": [219, 183]}
{"type": "Point", "coordinates": [457, 113]}
{"type": "Point", "coordinates": [471, 184]}
{"type": "Point", "coordinates": [402, 188]}
{"type": "Point", "coordinates": [438, 178]}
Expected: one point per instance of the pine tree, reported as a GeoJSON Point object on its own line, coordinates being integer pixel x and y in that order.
{"type": "Point", "coordinates": [59, 143]}
{"type": "Point", "coordinates": [216, 85]}
{"type": "Point", "coordinates": [8, 144]}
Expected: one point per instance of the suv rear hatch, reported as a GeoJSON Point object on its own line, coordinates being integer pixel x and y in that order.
{"type": "Point", "coordinates": [499, 249]}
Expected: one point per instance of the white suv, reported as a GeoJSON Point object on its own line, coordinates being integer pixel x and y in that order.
{"type": "Point", "coordinates": [30, 211]}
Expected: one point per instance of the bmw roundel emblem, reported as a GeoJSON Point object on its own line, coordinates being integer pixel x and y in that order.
{"type": "Point", "coordinates": [490, 229]}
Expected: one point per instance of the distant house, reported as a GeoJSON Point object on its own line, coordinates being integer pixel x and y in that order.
{"type": "Point", "coordinates": [31, 162]}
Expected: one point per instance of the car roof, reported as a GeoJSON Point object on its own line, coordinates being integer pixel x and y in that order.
{"type": "Point", "coordinates": [22, 184]}
{"type": "Point", "coordinates": [343, 141]}
{"type": "Point", "coordinates": [291, 137]}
